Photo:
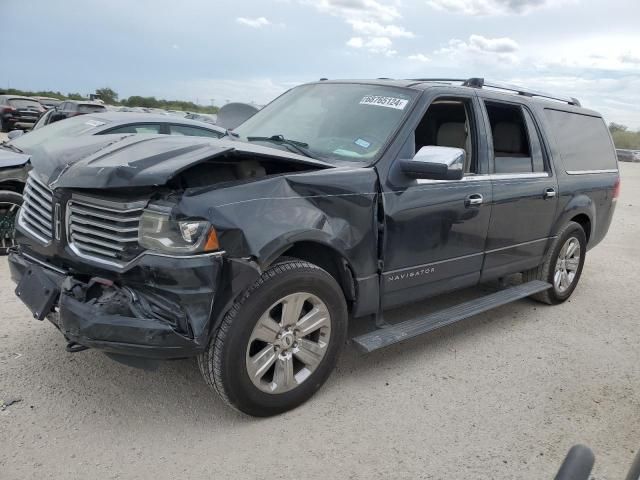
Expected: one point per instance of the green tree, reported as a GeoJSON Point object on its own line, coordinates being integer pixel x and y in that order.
{"type": "Point", "coordinates": [75, 96]}
{"type": "Point", "coordinates": [107, 95]}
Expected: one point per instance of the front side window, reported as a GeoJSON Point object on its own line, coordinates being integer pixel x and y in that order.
{"type": "Point", "coordinates": [511, 148]}
{"type": "Point", "coordinates": [332, 121]}
{"type": "Point", "coordinates": [449, 123]}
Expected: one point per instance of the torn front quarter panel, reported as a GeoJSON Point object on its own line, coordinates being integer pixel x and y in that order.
{"type": "Point", "coordinates": [129, 161]}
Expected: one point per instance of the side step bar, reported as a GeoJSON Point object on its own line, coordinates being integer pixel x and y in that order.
{"type": "Point", "coordinates": [383, 337]}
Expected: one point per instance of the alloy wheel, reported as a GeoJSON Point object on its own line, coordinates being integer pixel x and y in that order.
{"type": "Point", "coordinates": [567, 265]}
{"type": "Point", "coordinates": [288, 343]}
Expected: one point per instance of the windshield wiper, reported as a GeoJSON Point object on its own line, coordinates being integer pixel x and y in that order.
{"type": "Point", "coordinates": [299, 147]}
{"type": "Point", "coordinates": [6, 144]}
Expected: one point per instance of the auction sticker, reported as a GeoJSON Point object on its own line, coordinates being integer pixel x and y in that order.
{"type": "Point", "coordinates": [389, 102]}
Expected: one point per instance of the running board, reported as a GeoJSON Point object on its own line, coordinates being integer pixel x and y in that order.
{"type": "Point", "coordinates": [383, 337]}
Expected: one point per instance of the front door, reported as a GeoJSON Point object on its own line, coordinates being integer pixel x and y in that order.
{"type": "Point", "coordinates": [436, 230]}
{"type": "Point", "coordinates": [525, 191]}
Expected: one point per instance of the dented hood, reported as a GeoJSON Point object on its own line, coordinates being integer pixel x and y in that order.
{"type": "Point", "coordinates": [118, 161]}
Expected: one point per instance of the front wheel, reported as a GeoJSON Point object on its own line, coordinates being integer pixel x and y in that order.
{"type": "Point", "coordinates": [562, 266]}
{"type": "Point", "coordinates": [279, 343]}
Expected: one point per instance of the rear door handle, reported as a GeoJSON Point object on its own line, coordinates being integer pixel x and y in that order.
{"type": "Point", "coordinates": [549, 193]}
{"type": "Point", "coordinates": [473, 200]}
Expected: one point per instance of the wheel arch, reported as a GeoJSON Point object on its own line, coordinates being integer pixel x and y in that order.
{"type": "Point", "coordinates": [579, 209]}
{"type": "Point", "coordinates": [327, 257]}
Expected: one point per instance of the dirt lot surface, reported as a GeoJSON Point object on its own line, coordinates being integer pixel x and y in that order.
{"type": "Point", "coordinates": [500, 396]}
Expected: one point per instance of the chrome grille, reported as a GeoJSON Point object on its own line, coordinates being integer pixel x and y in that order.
{"type": "Point", "coordinates": [104, 230]}
{"type": "Point", "coordinates": [36, 212]}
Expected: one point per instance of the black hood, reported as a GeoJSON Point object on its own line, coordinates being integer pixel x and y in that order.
{"type": "Point", "coordinates": [117, 161]}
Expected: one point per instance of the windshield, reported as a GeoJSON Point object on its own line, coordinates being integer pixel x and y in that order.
{"type": "Point", "coordinates": [24, 103]}
{"type": "Point", "coordinates": [349, 122]}
{"type": "Point", "coordinates": [70, 127]}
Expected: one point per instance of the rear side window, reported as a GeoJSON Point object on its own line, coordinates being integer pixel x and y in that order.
{"type": "Point", "coordinates": [511, 147]}
{"type": "Point", "coordinates": [193, 131]}
{"type": "Point", "coordinates": [583, 141]}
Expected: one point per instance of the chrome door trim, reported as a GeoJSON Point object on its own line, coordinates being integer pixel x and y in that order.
{"type": "Point", "coordinates": [592, 172]}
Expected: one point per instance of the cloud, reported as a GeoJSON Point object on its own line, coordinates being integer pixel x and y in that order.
{"type": "Point", "coordinates": [357, 9]}
{"type": "Point", "coordinates": [630, 58]}
{"type": "Point", "coordinates": [481, 49]}
{"type": "Point", "coordinates": [493, 7]}
{"type": "Point", "coordinates": [419, 57]}
{"type": "Point", "coordinates": [258, 22]}
{"type": "Point", "coordinates": [355, 42]}
{"type": "Point", "coordinates": [372, 22]}
{"type": "Point", "coordinates": [379, 45]}
{"type": "Point", "coordinates": [373, 28]}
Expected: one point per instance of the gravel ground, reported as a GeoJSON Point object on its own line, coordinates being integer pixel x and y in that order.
{"type": "Point", "coordinates": [503, 395]}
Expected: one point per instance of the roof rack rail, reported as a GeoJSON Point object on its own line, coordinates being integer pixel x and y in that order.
{"type": "Point", "coordinates": [476, 82]}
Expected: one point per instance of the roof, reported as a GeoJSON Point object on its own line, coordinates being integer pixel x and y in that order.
{"type": "Point", "coordinates": [459, 84]}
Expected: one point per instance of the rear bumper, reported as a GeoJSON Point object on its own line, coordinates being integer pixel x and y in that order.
{"type": "Point", "coordinates": [19, 120]}
{"type": "Point", "coordinates": [161, 310]}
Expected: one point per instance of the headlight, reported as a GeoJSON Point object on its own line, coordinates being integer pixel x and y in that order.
{"type": "Point", "coordinates": [159, 231]}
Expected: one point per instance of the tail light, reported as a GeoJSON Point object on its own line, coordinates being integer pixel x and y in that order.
{"type": "Point", "coordinates": [8, 109]}
{"type": "Point", "coordinates": [616, 189]}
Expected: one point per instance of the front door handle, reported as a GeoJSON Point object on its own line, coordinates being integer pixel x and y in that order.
{"type": "Point", "coordinates": [549, 193]}
{"type": "Point", "coordinates": [473, 200]}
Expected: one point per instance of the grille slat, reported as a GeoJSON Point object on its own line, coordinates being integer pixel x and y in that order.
{"type": "Point", "coordinates": [103, 229]}
{"type": "Point", "coordinates": [35, 214]}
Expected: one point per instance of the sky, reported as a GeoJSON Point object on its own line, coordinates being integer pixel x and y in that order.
{"type": "Point", "coordinates": [253, 50]}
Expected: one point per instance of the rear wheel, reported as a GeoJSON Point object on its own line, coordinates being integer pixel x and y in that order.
{"type": "Point", "coordinates": [279, 343]}
{"type": "Point", "coordinates": [562, 266]}
{"type": "Point", "coordinates": [10, 203]}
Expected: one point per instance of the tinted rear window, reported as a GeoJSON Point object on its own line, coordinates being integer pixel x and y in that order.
{"type": "Point", "coordinates": [88, 108]}
{"type": "Point", "coordinates": [583, 141]}
{"type": "Point", "coordinates": [23, 103]}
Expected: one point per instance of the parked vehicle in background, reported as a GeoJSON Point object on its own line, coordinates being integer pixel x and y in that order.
{"type": "Point", "coordinates": [625, 155]}
{"type": "Point", "coordinates": [202, 117]}
{"type": "Point", "coordinates": [48, 102]}
{"type": "Point", "coordinates": [15, 154]}
{"type": "Point", "coordinates": [73, 108]}
{"type": "Point", "coordinates": [16, 110]}
{"type": "Point", "coordinates": [340, 199]}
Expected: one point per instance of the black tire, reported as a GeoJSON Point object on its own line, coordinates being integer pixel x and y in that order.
{"type": "Point", "coordinates": [4, 125]}
{"type": "Point", "coordinates": [546, 271]}
{"type": "Point", "coordinates": [8, 216]}
{"type": "Point", "coordinates": [224, 363]}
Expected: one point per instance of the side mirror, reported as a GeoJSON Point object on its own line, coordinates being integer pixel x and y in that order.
{"type": "Point", "coordinates": [15, 134]}
{"type": "Point", "coordinates": [436, 163]}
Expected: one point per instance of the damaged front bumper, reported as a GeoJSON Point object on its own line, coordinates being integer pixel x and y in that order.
{"type": "Point", "coordinates": [159, 308]}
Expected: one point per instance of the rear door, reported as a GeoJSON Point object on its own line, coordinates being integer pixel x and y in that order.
{"type": "Point", "coordinates": [525, 190]}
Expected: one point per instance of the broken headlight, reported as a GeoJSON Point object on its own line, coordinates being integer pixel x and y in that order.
{"type": "Point", "coordinates": [159, 231]}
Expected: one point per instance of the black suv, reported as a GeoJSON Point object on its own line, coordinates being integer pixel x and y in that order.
{"type": "Point", "coordinates": [16, 110]}
{"type": "Point", "coordinates": [340, 199]}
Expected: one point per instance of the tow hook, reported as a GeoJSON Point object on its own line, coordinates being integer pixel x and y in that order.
{"type": "Point", "coordinates": [73, 347]}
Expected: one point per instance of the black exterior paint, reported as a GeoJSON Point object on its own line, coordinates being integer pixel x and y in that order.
{"type": "Point", "coordinates": [420, 235]}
